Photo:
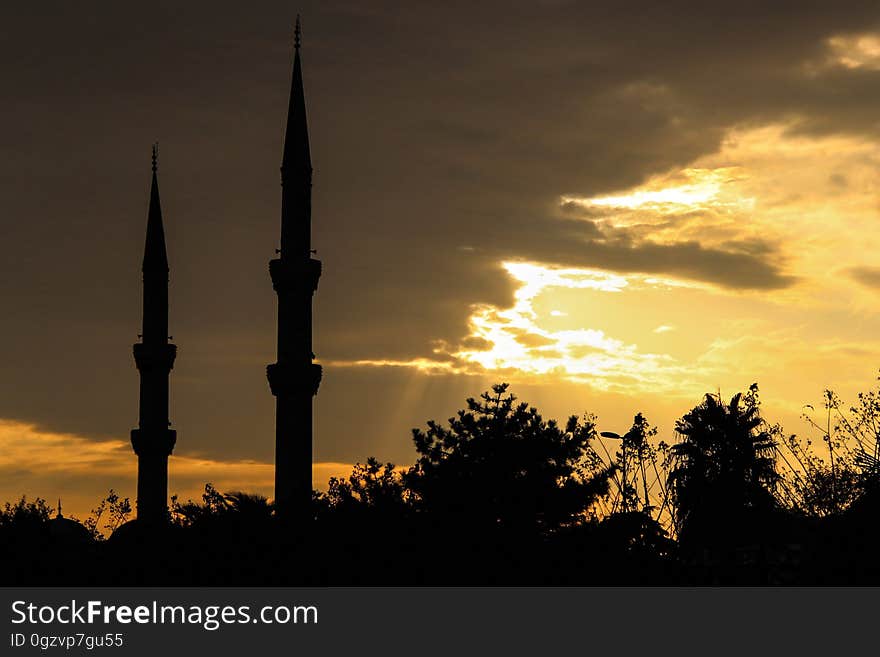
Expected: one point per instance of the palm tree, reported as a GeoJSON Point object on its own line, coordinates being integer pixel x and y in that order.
{"type": "Point", "coordinates": [255, 507]}
{"type": "Point", "coordinates": [724, 464]}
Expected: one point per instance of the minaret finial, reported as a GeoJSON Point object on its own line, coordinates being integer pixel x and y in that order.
{"type": "Point", "coordinates": [155, 156]}
{"type": "Point", "coordinates": [297, 33]}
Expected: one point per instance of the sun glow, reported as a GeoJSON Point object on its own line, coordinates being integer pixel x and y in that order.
{"type": "Point", "coordinates": [686, 191]}
{"type": "Point", "coordinates": [517, 338]}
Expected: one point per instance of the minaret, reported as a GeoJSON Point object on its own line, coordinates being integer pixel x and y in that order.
{"type": "Point", "coordinates": [294, 378]}
{"type": "Point", "coordinates": [153, 441]}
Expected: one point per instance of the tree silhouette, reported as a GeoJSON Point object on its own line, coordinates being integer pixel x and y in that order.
{"type": "Point", "coordinates": [117, 509]}
{"type": "Point", "coordinates": [25, 514]}
{"type": "Point", "coordinates": [38, 549]}
{"type": "Point", "coordinates": [637, 479]}
{"type": "Point", "coordinates": [499, 496]}
{"type": "Point", "coordinates": [217, 507]}
{"type": "Point", "coordinates": [841, 469]}
{"type": "Point", "coordinates": [723, 465]}
{"type": "Point", "coordinates": [499, 465]}
{"type": "Point", "coordinates": [371, 485]}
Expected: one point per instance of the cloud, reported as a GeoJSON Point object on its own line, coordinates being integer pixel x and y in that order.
{"type": "Point", "coordinates": [867, 276]}
{"type": "Point", "coordinates": [415, 156]}
{"type": "Point", "coordinates": [514, 340]}
{"type": "Point", "coordinates": [854, 51]}
{"type": "Point", "coordinates": [81, 470]}
{"type": "Point", "coordinates": [688, 260]}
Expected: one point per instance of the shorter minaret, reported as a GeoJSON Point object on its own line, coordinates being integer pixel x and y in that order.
{"type": "Point", "coordinates": [153, 441]}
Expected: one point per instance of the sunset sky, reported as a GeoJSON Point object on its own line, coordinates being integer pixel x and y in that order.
{"type": "Point", "coordinates": [616, 207]}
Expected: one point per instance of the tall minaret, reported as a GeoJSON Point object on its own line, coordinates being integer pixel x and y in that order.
{"type": "Point", "coordinates": [153, 441]}
{"type": "Point", "coordinates": [294, 379]}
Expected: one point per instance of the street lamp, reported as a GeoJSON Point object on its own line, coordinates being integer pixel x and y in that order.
{"type": "Point", "coordinates": [622, 439]}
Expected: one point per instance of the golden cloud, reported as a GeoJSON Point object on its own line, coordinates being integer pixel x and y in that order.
{"type": "Point", "coordinates": [80, 471]}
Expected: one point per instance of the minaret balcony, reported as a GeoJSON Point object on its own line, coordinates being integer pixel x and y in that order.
{"type": "Point", "coordinates": [286, 379]}
{"type": "Point", "coordinates": [153, 441]}
{"type": "Point", "coordinates": [296, 276]}
{"type": "Point", "coordinates": [154, 357]}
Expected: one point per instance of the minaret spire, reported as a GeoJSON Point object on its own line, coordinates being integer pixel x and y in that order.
{"type": "Point", "coordinates": [153, 441]}
{"type": "Point", "coordinates": [297, 158]}
{"type": "Point", "coordinates": [155, 255]}
{"type": "Point", "coordinates": [294, 378]}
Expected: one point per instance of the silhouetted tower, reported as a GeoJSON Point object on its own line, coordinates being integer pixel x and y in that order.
{"type": "Point", "coordinates": [153, 441]}
{"type": "Point", "coordinates": [294, 378]}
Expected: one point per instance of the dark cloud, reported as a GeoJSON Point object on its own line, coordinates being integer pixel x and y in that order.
{"type": "Point", "coordinates": [838, 180]}
{"type": "Point", "coordinates": [529, 339]}
{"type": "Point", "coordinates": [688, 260]}
{"type": "Point", "coordinates": [867, 276]}
{"type": "Point", "coordinates": [730, 269]}
{"type": "Point", "coordinates": [754, 247]}
{"type": "Point", "coordinates": [475, 343]}
{"type": "Point", "coordinates": [575, 210]}
{"type": "Point", "coordinates": [435, 126]}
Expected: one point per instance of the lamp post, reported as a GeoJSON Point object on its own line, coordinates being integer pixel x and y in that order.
{"type": "Point", "coordinates": [622, 439]}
